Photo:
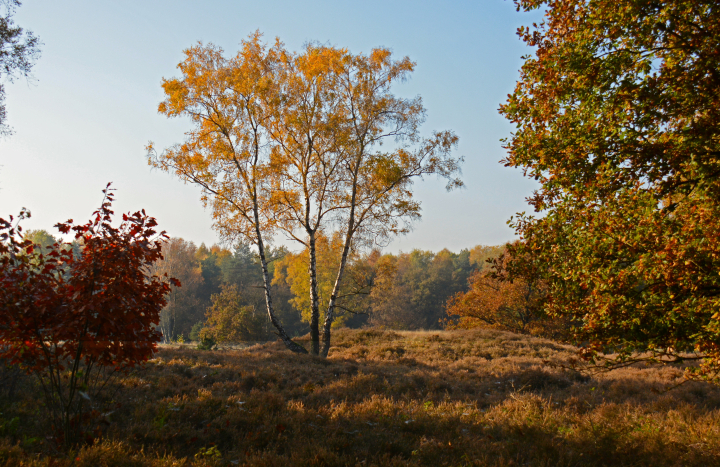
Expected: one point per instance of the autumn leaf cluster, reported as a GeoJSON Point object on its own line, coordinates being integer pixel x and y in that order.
{"type": "Point", "coordinates": [74, 319]}
{"type": "Point", "coordinates": [617, 117]}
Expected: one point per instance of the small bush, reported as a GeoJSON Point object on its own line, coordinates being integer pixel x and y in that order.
{"type": "Point", "coordinates": [206, 343]}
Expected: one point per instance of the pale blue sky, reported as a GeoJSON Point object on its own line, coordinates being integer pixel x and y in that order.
{"type": "Point", "coordinates": [92, 107]}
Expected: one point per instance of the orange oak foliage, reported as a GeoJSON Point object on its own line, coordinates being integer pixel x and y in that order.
{"type": "Point", "coordinates": [511, 306]}
{"type": "Point", "coordinates": [499, 300]}
{"type": "Point", "coordinates": [617, 116]}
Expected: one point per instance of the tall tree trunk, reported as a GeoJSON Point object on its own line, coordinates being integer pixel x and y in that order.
{"type": "Point", "coordinates": [266, 283]}
{"type": "Point", "coordinates": [330, 315]}
{"type": "Point", "coordinates": [314, 300]}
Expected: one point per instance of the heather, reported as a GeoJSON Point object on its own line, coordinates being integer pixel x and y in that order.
{"type": "Point", "coordinates": [463, 397]}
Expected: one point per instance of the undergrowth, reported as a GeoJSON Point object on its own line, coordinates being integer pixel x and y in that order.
{"type": "Point", "coordinates": [455, 398]}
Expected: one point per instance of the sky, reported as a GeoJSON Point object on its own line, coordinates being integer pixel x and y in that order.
{"type": "Point", "coordinates": [91, 108]}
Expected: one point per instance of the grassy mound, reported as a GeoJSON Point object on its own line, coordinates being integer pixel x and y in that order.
{"type": "Point", "coordinates": [385, 398]}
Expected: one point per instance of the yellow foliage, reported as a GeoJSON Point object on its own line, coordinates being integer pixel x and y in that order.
{"type": "Point", "coordinates": [229, 321]}
{"type": "Point", "coordinates": [293, 270]}
{"type": "Point", "coordinates": [290, 142]}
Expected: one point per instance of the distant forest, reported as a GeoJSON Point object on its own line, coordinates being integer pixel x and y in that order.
{"type": "Point", "coordinates": [395, 291]}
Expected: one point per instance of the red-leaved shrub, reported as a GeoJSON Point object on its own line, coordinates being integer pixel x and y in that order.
{"type": "Point", "coordinates": [76, 319]}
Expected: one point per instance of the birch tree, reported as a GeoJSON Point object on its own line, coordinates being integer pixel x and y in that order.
{"type": "Point", "coordinates": [306, 127]}
{"type": "Point", "coordinates": [227, 153]}
{"type": "Point", "coordinates": [291, 142]}
{"type": "Point", "coordinates": [376, 199]}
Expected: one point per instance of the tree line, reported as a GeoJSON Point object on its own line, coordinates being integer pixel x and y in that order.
{"type": "Point", "coordinates": [222, 295]}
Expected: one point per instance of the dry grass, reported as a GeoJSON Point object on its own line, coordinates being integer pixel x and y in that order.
{"type": "Point", "coordinates": [387, 398]}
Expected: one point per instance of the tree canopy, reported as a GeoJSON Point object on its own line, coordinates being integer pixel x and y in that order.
{"type": "Point", "coordinates": [617, 117]}
{"type": "Point", "coordinates": [18, 51]}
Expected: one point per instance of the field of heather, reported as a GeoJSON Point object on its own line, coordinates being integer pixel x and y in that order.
{"type": "Point", "coordinates": [455, 398]}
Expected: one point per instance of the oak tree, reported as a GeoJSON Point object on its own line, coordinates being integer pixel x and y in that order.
{"type": "Point", "coordinates": [617, 117]}
{"type": "Point", "coordinates": [497, 299]}
{"type": "Point", "coordinates": [230, 321]}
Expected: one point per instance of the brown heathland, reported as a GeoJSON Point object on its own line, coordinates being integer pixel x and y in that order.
{"type": "Point", "coordinates": [477, 397]}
